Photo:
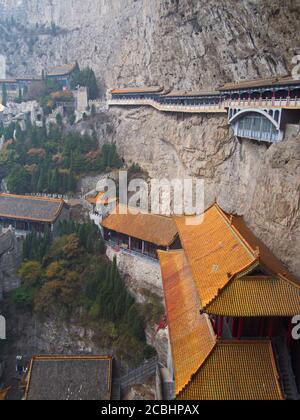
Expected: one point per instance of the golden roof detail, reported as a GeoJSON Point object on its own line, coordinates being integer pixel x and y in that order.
{"type": "Point", "coordinates": [243, 371]}
{"type": "Point", "coordinates": [156, 229]}
{"type": "Point", "coordinates": [191, 335]}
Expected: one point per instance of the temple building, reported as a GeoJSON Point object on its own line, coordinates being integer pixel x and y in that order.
{"type": "Point", "coordinates": [62, 74]}
{"type": "Point", "coordinates": [69, 378]}
{"type": "Point", "coordinates": [230, 304]}
{"type": "Point", "coordinates": [257, 109]}
{"type": "Point", "coordinates": [137, 93]}
{"type": "Point", "coordinates": [16, 85]}
{"type": "Point", "coordinates": [101, 204]}
{"type": "Point", "coordinates": [140, 233]}
{"type": "Point", "coordinates": [26, 213]}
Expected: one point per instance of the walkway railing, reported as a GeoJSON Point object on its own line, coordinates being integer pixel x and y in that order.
{"type": "Point", "coordinates": [221, 107]}
{"type": "Point", "coordinates": [140, 375]}
{"type": "Point", "coordinates": [119, 248]}
{"type": "Point", "coordinates": [195, 109]}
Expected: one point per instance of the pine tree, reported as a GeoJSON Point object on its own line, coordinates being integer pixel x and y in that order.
{"type": "Point", "coordinates": [4, 94]}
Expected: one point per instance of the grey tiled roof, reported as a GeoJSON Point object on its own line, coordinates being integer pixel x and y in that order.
{"type": "Point", "coordinates": [69, 378]}
{"type": "Point", "coordinates": [61, 70]}
{"type": "Point", "coordinates": [30, 208]}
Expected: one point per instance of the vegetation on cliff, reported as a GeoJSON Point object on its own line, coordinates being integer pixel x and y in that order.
{"type": "Point", "coordinates": [72, 278]}
{"type": "Point", "coordinates": [41, 161]}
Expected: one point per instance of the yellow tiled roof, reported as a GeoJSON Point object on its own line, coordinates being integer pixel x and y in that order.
{"type": "Point", "coordinates": [191, 334]}
{"type": "Point", "coordinates": [222, 248]}
{"type": "Point", "coordinates": [236, 371]}
{"type": "Point", "coordinates": [139, 90]}
{"type": "Point", "coordinates": [215, 252]}
{"type": "Point", "coordinates": [259, 296]}
{"type": "Point", "coordinates": [156, 229]}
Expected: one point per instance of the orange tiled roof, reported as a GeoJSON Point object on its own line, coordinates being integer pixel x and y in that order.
{"type": "Point", "coordinates": [257, 83]}
{"type": "Point", "coordinates": [236, 371]}
{"type": "Point", "coordinates": [215, 252]}
{"type": "Point", "coordinates": [266, 258]}
{"type": "Point", "coordinates": [258, 296]}
{"type": "Point", "coordinates": [100, 199]}
{"type": "Point", "coordinates": [95, 199]}
{"type": "Point", "coordinates": [221, 248]}
{"type": "Point", "coordinates": [156, 229]}
{"type": "Point", "coordinates": [191, 335]}
{"type": "Point", "coordinates": [139, 90]}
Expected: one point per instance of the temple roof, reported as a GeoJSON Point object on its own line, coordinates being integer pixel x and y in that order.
{"type": "Point", "coordinates": [258, 83]}
{"type": "Point", "coordinates": [39, 209]}
{"type": "Point", "coordinates": [205, 368]}
{"type": "Point", "coordinates": [236, 371]}
{"type": "Point", "coordinates": [70, 378]}
{"type": "Point", "coordinates": [192, 93]}
{"type": "Point", "coordinates": [156, 229]}
{"type": "Point", "coordinates": [139, 90]}
{"type": "Point", "coordinates": [257, 296]}
{"type": "Point", "coordinates": [99, 198]}
{"type": "Point", "coordinates": [222, 248]}
{"type": "Point", "coordinates": [191, 335]}
{"type": "Point", "coordinates": [62, 70]}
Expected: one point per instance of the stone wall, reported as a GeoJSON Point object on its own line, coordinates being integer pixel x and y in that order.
{"type": "Point", "coordinates": [140, 273]}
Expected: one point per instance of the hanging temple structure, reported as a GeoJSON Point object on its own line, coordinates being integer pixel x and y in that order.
{"type": "Point", "coordinates": [256, 109]}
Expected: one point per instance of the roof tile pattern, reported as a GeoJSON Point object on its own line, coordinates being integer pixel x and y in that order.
{"type": "Point", "coordinates": [62, 70]}
{"type": "Point", "coordinates": [30, 208]}
{"type": "Point", "coordinates": [215, 252]}
{"type": "Point", "coordinates": [191, 335]}
{"type": "Point", "coordinates": [158, 230]}
{"type": "Point", "coordinates": [69, 378]}
{"type": "Point", "coordinates": [259, 296]}
{"type": "Point", "coordinates": [236, 371]}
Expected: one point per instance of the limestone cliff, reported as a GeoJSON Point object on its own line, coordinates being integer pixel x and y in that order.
{"type": "Point", "coordinates": [10, 258]}
{"type": "Point", "coordinates": [256, 180]}
{"type": "Point", "coordinates": [180, 43]}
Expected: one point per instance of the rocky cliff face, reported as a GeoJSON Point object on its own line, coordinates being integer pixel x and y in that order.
{"type": "Point", "coordinates": [259, 181]}
{"type": "Point", "coordinates": [10, 259]}
{"type": "Point", "coordinates": [180, 43]}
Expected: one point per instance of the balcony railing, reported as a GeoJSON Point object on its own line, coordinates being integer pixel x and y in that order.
{"type": "Point", "coordinates": [124, 250]}
{"type": "Point", "coordinates": [221, 107]}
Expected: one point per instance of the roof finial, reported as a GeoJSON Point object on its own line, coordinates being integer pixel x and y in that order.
{"type": "Point", "coordinates": [257, 252]}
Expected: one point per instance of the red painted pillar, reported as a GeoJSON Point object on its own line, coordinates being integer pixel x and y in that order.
{"type": "Point", "coordinates": [240, 328]}
{"type": "Point", "coordinates": [270, 328]}
{"type": "Point", "coordinates": [220, 326]}
{"type": "Point", "coordinates": [233, 328]}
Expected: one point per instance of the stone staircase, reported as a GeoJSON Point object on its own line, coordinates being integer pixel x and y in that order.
{"type": "Point", "coordinates": [284, 362]}
{"type": "Point", "coordinates": [140, 375]}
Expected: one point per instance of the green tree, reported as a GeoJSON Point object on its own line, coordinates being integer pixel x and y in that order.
{"type": "Point", "coordinates": [4, 94]}
{"type": "Point", "coordinates": [18, 181]}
